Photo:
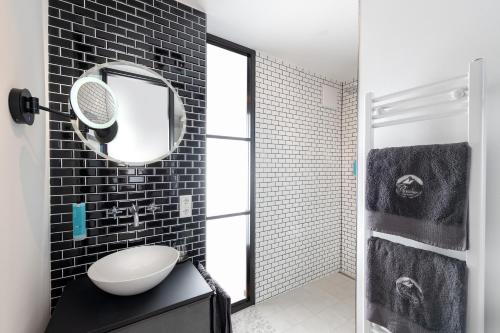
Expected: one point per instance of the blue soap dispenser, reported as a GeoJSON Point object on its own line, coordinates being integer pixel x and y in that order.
{"type": "Point", "coordinates": [79, 221]}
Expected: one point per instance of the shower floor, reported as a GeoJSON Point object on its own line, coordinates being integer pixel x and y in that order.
{"type": "Point", "coordinates": [323, 305]}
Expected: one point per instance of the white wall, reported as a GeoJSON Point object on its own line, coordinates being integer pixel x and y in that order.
{"type": "Point", "coordinates": [405, 43]}
{"type": "Point", "coordinates": [24, 227]}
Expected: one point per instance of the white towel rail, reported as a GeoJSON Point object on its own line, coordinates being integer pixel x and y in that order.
{"type": "Point", "coordinates": [417, 118]}
{"type": "Point", "coordinates": [393, 111]}
{"type": "Point", "coordinates": [418, 90]}
{"type": "Point", "coordinates": [458, 96]}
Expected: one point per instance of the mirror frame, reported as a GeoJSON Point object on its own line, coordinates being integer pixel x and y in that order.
{"type": "Point", "coordinates": [155, 75]}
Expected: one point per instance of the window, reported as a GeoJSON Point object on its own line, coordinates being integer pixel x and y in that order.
{"type": "Point", "coordinates": [230, 168]}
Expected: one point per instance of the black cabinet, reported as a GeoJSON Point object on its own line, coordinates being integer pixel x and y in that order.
{"type": "Point", "coordinates": [191, 318]}
{"type": "Point", "coordinates": [180, 304]}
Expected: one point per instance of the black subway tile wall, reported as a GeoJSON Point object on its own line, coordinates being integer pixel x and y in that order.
{"type": "Point", "coordinates": [170, 38]}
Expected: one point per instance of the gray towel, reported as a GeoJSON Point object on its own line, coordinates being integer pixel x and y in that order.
{"type": "Point", "coordinates": [420, 192]}
{"type": "Point", "coordinates": [411, 290]}
{"type": "Point", "coordinates": [220, 305]}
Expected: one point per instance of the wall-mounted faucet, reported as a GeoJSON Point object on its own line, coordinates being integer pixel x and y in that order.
{"type": "Point", "coordinates": [135, 211]}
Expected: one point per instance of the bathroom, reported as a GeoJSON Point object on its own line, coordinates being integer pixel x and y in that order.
{"type": "Point", "coordinates": [258, 176]}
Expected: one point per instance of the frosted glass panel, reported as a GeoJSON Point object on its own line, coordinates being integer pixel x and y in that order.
{"type": "Point", "coordinates": [227, 176]}
{"type": "Point", "coordinates": [226, 93]}
{"type": "Point", "coordinates": [226, 254]}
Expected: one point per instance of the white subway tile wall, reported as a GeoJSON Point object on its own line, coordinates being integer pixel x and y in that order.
{"type": "Point", "coordinates": [298, 178]}
{"type": "Point", "coordinates": [349, 152]}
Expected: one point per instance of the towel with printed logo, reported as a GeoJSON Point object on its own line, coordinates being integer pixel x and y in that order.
{"type": "Point", "coordinates": [409, 290]}
{"type": "Point", "coordinates": [420, 192]}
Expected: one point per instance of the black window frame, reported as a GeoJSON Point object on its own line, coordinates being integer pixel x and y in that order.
{"type": "Point", "coordinates": [234, 47]}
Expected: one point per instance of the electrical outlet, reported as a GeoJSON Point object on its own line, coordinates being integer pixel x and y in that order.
{"type": "Point", "coordinates": [185, 206]}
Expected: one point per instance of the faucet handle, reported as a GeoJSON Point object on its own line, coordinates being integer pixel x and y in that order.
{"type": "Point", "coordinates": [114, 211]}
{"type": "Point", "coordinates": [152, 208]}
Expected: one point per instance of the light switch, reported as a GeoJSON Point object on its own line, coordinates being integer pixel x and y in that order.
{"type": "Point", "coordinates": [185, 206]}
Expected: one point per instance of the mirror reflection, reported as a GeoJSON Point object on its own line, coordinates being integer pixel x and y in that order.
{"type": "Point", "coordinates": [127, 113]}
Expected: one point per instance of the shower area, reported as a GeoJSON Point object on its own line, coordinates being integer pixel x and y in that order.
{"type": "Point", "coordinates": [305, 214]}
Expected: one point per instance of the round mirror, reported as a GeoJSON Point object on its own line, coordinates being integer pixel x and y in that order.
{"type": "Point", "coordinates": [127, 113]}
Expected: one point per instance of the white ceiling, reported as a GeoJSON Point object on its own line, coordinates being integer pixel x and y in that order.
{"type": "Point", "coordinates": [319, 35]}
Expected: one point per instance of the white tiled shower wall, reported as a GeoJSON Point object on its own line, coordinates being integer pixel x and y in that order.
{"type": "Point", "coordinates": [299, 168]}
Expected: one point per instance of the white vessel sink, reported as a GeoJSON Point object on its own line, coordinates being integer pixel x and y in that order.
{"type": "Point", "coordinates": [133, 271]}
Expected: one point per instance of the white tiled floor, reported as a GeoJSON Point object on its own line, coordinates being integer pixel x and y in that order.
{"type": "Point", "coordinates": [324, 305]}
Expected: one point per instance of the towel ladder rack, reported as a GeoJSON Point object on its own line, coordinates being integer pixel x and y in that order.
{"type": "Point", "coordinates": [459, 100]}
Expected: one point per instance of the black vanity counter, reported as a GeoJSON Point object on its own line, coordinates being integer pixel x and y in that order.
{"type": "Point", "coordinates": [85, 308]}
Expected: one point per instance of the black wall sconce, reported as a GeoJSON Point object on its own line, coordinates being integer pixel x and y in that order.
{"type": "Point", "coordinates": [90, 99]}
{"type": "Point", "coordinates": [23, 107]}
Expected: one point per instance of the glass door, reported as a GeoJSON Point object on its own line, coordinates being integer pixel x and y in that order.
{"type": "Point", "coordinates": [230, 168]}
